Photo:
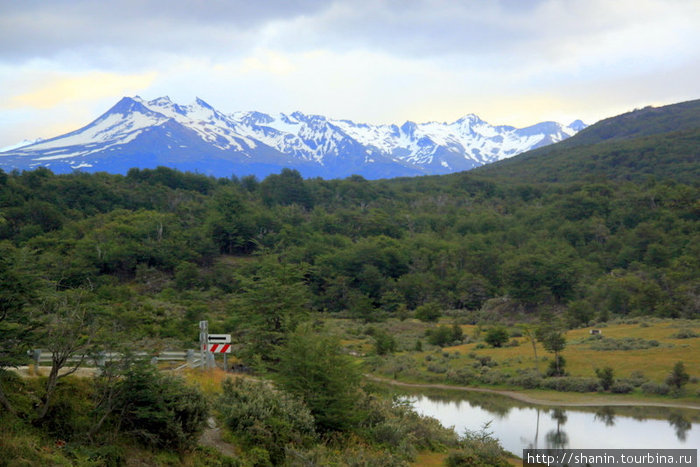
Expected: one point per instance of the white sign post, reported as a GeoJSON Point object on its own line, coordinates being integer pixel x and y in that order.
{"type": "Point", "coordinates": [220, 343]}
{"type": "Point", "coordinates": [203, 344]}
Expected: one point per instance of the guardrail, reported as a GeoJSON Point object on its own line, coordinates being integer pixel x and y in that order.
{"type": "Point", "coordinates": [191, 356]}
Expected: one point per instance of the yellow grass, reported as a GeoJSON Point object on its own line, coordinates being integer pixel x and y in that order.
{"type": "Point", "coordinates": [428, 459]}
{"type": "Point", "coordinates": [208, 381]}
{"type": "Point", "coordinates": [655, 362]}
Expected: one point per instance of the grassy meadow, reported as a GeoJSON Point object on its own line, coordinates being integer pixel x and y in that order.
{"type": "Point", "coordinates": [638, 351]}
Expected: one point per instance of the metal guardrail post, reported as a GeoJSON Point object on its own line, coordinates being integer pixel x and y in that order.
{"type": "Point", "coordinates": [36, 356]}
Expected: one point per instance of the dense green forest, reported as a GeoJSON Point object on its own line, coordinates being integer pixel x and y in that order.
{"type": "Point", "coordinates": [104, 261]}
{"type": "Point", "coordinates": [158, 250]}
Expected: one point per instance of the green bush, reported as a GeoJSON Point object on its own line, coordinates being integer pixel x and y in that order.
{"type": "Point", "coordinates": [557, 367]}
{"type": "Point", "coordinates": [678, 376]}
{"type": "Point", "coordinates": [636, 379]}
{"type": "Point", "coordinates": [429, 312]}
{"type": "Point", "coordinates": [265, 418]}
{"type": "Point", "coordinates": [623, 343]}
{"type": "Point", "coordinates": [606, 377]}
{"type": "Point", "coordinates": [160, 410]}
{"type": "Point", "coordinates": [314, 368]}
{"type": "Point", "coordinates": [478, 448]}
{"type": "Point", "coordinates": [463, 376]}
{"type": "Point", "coordinates": [437, 369]}
{"type": "Point", "coordinates": [384, 343]}
{"type": "Point", "coordinates": [621, 387]}
{"type": "Point", "coordinates": [651, 387]}
{"type": "Point", "coordinates": [685, 333]}
{"type": "Point", "coordinates": [496, 337]}
{"type": "Point", "coordinates": [528, 379]}
{"type": "Point", "coordinates": [68, 415]}
{"type": "Point", "coordinates": [571, 384]}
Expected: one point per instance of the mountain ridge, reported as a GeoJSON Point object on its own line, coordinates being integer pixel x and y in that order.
{"type": "Point", "coordinates": [662, 142]}
{"type": "Point", "coordinates": [198, 137]}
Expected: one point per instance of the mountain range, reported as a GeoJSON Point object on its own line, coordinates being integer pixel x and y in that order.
{"type": "Point", "coordinates": [148, 133]}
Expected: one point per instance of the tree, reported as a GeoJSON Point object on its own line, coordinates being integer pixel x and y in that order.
{"type": "Point", "coordinates": [605, 376]}
{"type": "Point", "coordinates": [497, 336]}
{"type": "Point", "coordinates": [314, 368]}
{"type": "Point", "coordinates": [18, 322]}
{"type": "Point", "coordinates": [678, 376]}
{"type": "Point", "coordinates": [384, 342]}
{"type": "Point", "coordinates": [531, 335]}
{"type": "Point", "coordinates": [286, 188]}
{"type": "Point", "coordinates": [270, 306]}
{"type": "Point", "coordinates": [68, 331]}
{"type": "Point", "coordinates": [553, 340]}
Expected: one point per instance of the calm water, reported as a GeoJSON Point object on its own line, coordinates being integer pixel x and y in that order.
{"type": "Point", "coordinates": [519, 426]}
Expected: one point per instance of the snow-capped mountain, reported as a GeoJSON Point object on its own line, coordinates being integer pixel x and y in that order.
{"type": "Point", "coordinates": [145, 134]}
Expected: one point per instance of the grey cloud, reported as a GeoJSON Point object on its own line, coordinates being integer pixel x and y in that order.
{"type": "Point", "coordinates": [40, 29]}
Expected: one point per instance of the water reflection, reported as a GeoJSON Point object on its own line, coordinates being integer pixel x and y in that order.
{"type": "Point", "coordinates": [606, 415]}
{"type": "Point", "coordinates": [558, 439]}
{"type": "Point", "coordinates": [681, 424]}
{"type": "Point", "coordinates": [518, 425]}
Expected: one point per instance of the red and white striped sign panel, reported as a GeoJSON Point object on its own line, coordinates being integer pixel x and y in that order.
{"type": "Point", "coordinates": [220, 348]}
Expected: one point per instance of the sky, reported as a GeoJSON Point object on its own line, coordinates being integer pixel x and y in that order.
{"type": "Point", "coordinates": [512, 62]}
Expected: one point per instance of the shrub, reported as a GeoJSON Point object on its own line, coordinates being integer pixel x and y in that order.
{"type": "Point", "coordinates": [528, 379]}
{"type": "Point", "coordinates": [437, 369]}
{"type": "Point", "coordinates": [489, 376]}
{"type": "Point", "coordinates": [384, 343]}
{"type": "Point", "coordinates": [396, 425]}
{"type": "Point", "coordinates": [685, 333]}
{"type": "Point", "coordinates": [314, 368]}
{"type": "Point", "coordinates": [485, 360]}
{"type": "Point", "coordinates": [651, 387]}
{"type": "Point", "coordinates": [263, 417]}
{"type": "Point", "coordinates": [443, 336]}
{"type": "Point", "coordinates": [557, 366]}
{"type": "Point", "coordinates": [678, 376]}
{"type": "Point", "coordinates": [68, 414]}
{"type": "Point", "coordinates": [160, 410]}
{"type": "Point", "coordinates": [621, 387]}
{"type": "Point", "coordinates": [478, 448]}
{"type": "Point", "coordinates": [636, 379]}
{"type": "Point", "coordinates": [496, 337]}
{"type": "Point", "coordinates": [605, 377]}
{"type": "Point", "coordinates": [623, 343]}
{"type": "Point", "coordinates": [463, 376]}
{"type": "Point", "coordinates": [571, 384]}
{"type": "Point", "coordinates": [429, 312]}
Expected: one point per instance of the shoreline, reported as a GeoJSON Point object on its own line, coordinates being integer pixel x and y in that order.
{"type": "Point", "coordinates": [519, 396]}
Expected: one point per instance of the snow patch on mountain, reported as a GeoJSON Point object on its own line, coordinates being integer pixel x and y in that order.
{"type": "Point", "coordinates": [160, 131]}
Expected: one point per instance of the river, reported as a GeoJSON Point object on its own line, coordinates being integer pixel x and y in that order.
{"type": "Point", "coordinates": [519, 426]}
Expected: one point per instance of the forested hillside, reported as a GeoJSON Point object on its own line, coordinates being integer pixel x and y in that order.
{"type": "Point", "coordinates": [659, 143]}
{"type": "Point", "coordinates": [99, 262]}
{"type": "Point", "coordinates": [158, 250]}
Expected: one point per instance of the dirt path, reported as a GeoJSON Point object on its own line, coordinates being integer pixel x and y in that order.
{"type": "Point", "coordinates": [212, 437]}
{"type": "Point", "coordinates": [533, 400]}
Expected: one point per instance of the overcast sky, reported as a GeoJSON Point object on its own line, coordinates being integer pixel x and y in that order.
{"type": "Point", "coordinates": [517, 62]}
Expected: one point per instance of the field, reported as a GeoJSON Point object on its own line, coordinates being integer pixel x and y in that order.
{"type": "Point", "coordinates": [638, 351]}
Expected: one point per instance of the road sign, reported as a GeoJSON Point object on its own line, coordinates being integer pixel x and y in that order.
{"type": "Point", "coordinates": [220, 348]}
{"type": "Point", "coordinates": [219, 338]}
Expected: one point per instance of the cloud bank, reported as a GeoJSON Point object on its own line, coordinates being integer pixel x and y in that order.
{"type": "Point", "coordinates": [512, 62]}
